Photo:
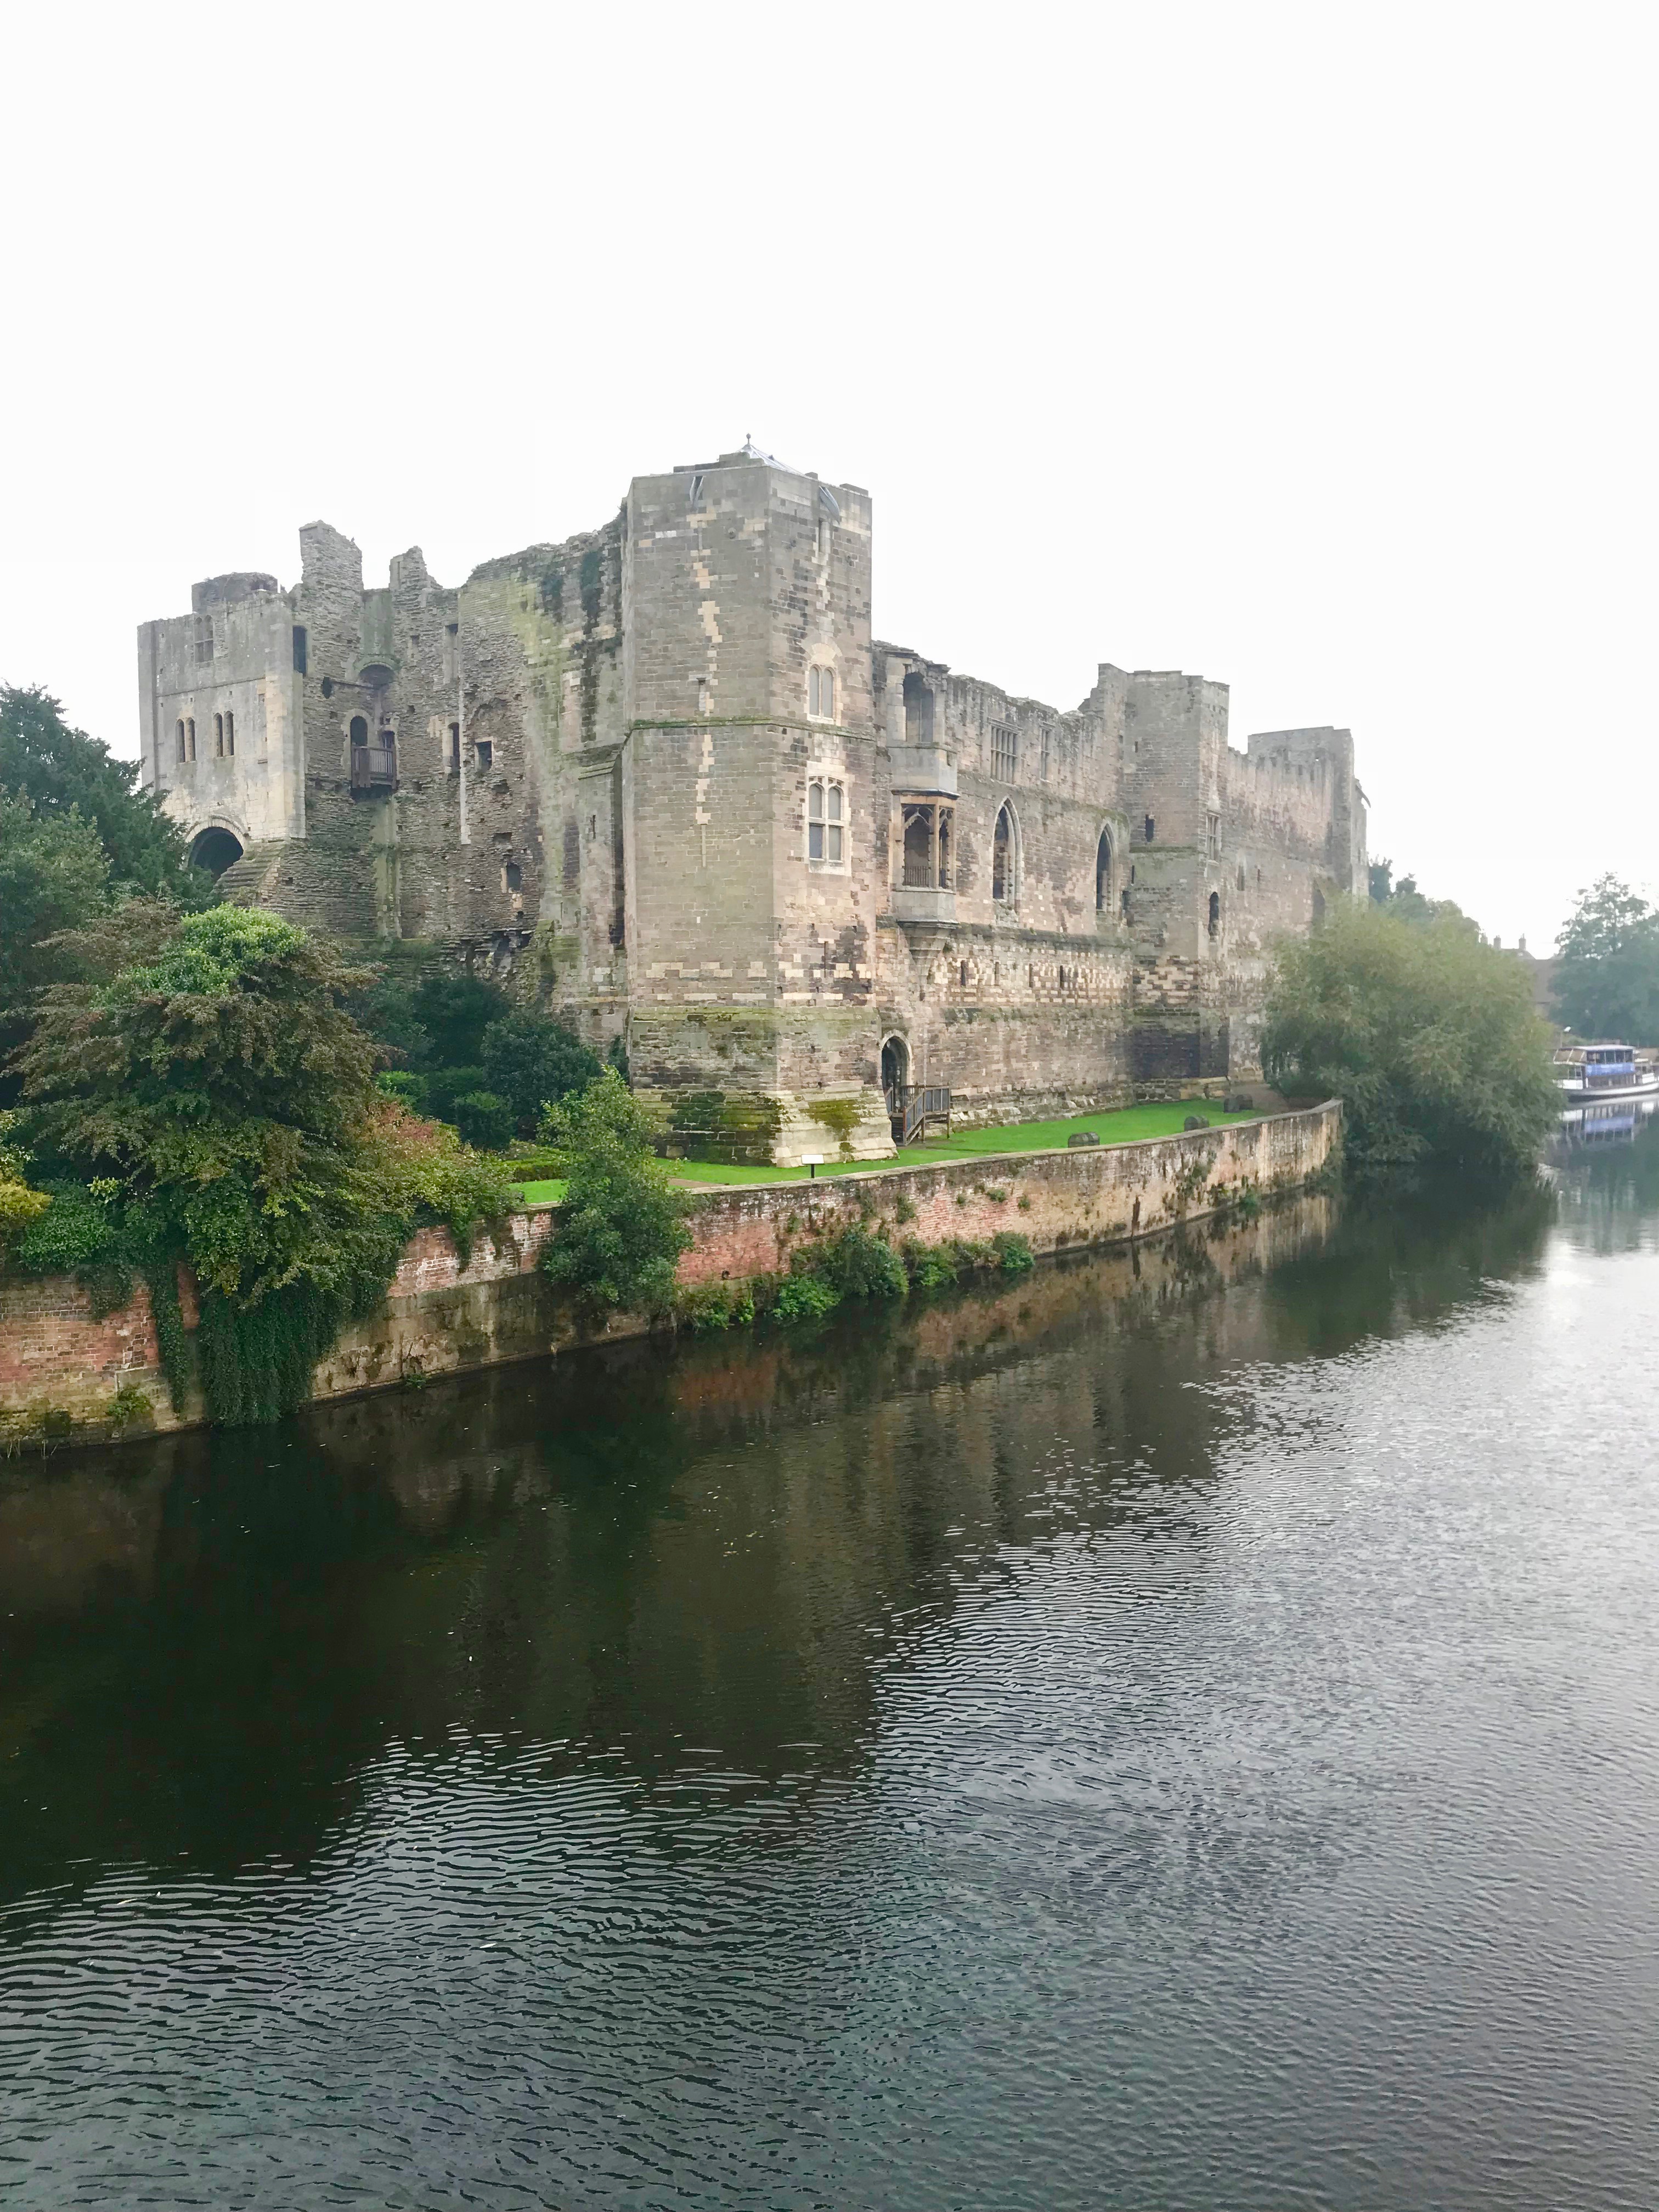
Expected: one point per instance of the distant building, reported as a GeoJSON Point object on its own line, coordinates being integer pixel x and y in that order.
{"type": "Point", "coordinates": [664, 778]}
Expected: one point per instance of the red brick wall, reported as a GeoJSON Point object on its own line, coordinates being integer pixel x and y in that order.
{"type": "Point", "coordinates": [59, 1368]}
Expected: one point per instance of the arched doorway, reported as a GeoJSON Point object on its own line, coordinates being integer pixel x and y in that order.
{"type": "Point", "coordinates": [894, 1065]}
{"type": "Point", "coordinates": [896, 1081]}
{"type": "Point", "coordinates": [215, 850]}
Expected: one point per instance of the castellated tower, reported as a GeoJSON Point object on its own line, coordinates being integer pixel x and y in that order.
{"type": "Point", "coordinates": [749, 788]}
{"type": "Point", "coordinates": [662, 780]}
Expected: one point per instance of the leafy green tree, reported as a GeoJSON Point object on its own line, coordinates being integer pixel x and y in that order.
{"type": "Point", "coordinates": [1404, 900]}
{"type": "Point", "coordinates": [484, 1119]}
{"type": "Point", "coordinates": [1426, 1034]}
{"type": "Point", "coordinates": [219, 1080]}
{"type": "Point", "coordinates": [621, 1229]}
{"type": "Point", "coordinates": [1607, 976]}
{"type": "Point", "coordinates": [386, 1010]}
{"type": "Point", "coordinates": [58, 768]}
{"type": "Point", "coordinates": [54, 873]}
{"type": "Point", "coordinates": [455, 1009]}
{"type": "Point", "coordinates": [436, 1021]}
{"type": "Point", "coordinates": [533, 1062]}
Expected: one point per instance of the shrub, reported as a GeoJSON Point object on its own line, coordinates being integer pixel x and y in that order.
{"type": "Point", "coordinates": [1427, 1036]}
{"type": "Point", "coordinates": [485, 1120]}
{"type": "Point", "coordinates": [407, 1088]}
{"type": "Point", "coordinates": [710, 1307]}
{"type": "Point", "coordinates": [860, 1266]}
{"type": "Point", "coordinates": [621, 1229]}
{"type": "Point", "coordinates": [452, 1009]}
{"type": "Point", "coordinates": [427, 1174]}
{"type": "Point", "coordinates": [1013, 1252]}
{"type": "Point", "coordinates": [532, 1062]}
{"type": "Point", "coordinates": [932, 1267]}
{"type": "Point", "coordinates": [20, 1206]}
{"type": "Point", "coordinates": [75, 1230]}
{"type": "Point", "coordinates": [805, 1297]}
{"type": "Point", "coordinates": [447, 1086]}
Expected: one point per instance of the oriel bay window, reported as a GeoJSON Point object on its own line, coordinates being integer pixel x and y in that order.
{"type": "Point", "coordinates": [928, 837]}
{"type": "Point", "coordinates": [826, 820]}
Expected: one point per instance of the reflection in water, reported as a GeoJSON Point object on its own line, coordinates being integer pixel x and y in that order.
{"type": "Point", "coordinates": [1165, 1732]}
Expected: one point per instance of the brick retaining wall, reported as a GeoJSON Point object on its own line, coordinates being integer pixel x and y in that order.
{"type": "Point", "coordinates": [60, 1367]}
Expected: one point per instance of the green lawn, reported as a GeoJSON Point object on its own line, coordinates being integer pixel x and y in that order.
{"type": "Point", "coordinates": [1125, 1126]}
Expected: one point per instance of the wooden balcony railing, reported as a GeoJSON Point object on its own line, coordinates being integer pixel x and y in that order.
{"type": "Point", "coordinates": [912, 1106]}
{"type": "Point", "coordinates": [375, 767]}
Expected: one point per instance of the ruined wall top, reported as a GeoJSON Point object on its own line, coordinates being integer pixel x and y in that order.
{"type": "Point", "coordinates": [223, 590]}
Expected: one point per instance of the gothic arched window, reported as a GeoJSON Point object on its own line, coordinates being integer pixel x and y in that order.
{"type": "Point", "coordinates": [1004, 858]}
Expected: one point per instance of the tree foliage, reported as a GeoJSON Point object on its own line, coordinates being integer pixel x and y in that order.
{"type": "Point", "coordinates": [532, 1062]}
{"type": "Point", "coordinates": [53, 873]}
{"type": "Point", "coordinates": [484, 1119]}
{"type": "Point", "coordinates": [621, 1229]}
{"type": "Point", "coordinates": [437, 1021]}
{"type": "Point", "coordinates": [1408, 903]}
{"type": "Point", "coordinates": [20, 1205]}
{"type": "Point", "coordinates": [218, 1081]}
{"type": "Point", "coordinates": [58, 768]}
{"type": "Point", "coordinates": [1426, 1034]}
{"type": "Point", "coordinates": [1607, 976]}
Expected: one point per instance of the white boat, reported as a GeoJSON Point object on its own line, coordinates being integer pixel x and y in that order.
{"type": "Point", "coordinates": [1599, 1073]}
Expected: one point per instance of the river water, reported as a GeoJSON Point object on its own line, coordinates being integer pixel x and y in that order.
{"type": "Point", "coordinates": [1181, 1731]}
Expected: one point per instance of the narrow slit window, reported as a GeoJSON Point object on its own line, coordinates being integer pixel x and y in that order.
{"type": "Point", "coordinates": [815, 821]}
{"type": "Point", "coordinates": [218, 737]}
{"type": "Point", "coordinates": [181, 741]}
{"type": "Point", "coordinates": [189, 736]}
{"type": "Point", "coordinates": [1149, 829]}
{"type": "Point", "coordinates": [1215, 914]}
{"type": "Point", "coordinates": [230, 733]}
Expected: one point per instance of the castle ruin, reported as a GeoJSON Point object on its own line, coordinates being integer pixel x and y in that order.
{"type": "Point", "coordinates": [663, 778]}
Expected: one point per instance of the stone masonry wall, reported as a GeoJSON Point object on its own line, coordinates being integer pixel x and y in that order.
{"type": "Point", "coordinates": [609, 752]}
{"type": "Point", "coordinates": [61, 1368]}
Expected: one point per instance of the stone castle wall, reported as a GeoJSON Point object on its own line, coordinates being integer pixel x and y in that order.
{"type": "Point", "coordinates": [663, 778]}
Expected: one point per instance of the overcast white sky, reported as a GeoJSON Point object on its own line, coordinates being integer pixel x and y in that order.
{"type": "Point", "coordinates": [1310, 348]}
